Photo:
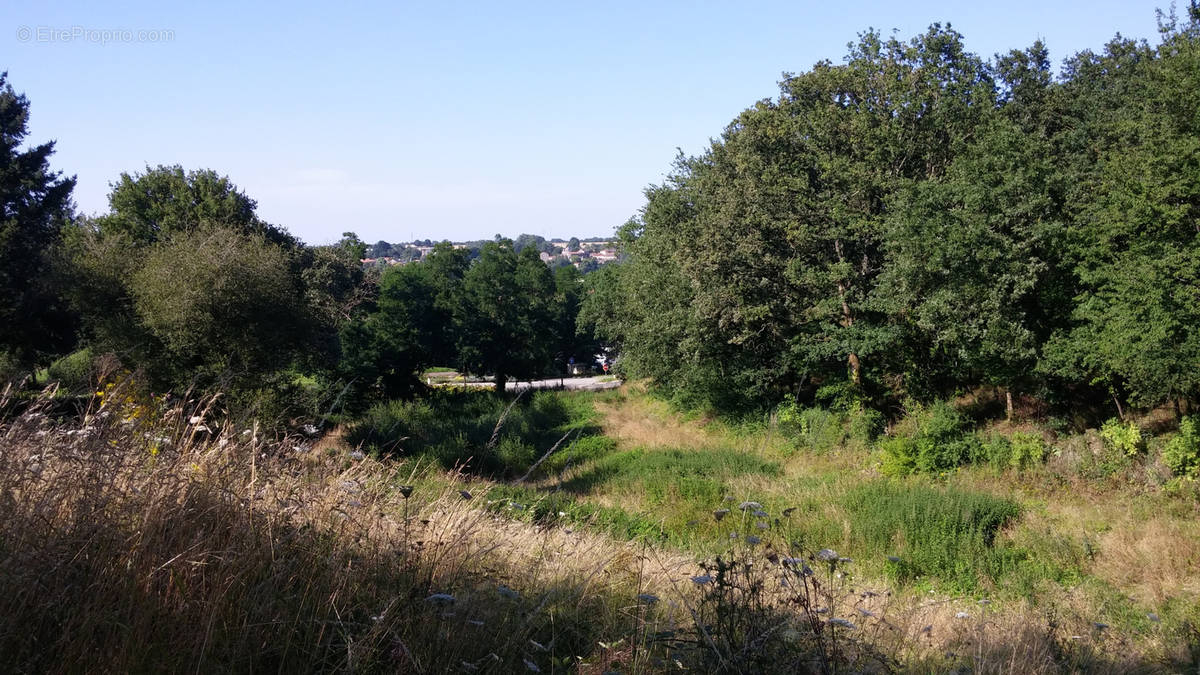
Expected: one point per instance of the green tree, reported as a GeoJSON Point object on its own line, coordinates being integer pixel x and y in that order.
{"type": "Point", "coordinates": [411, 327]}
{"type": "Point", "coordinates": [504, 316]}
{"type": "Point", "coordinates": [165, 200]}
{"type": "Point", "coordinates": [222, 306]}
{"type": "Point", "coordinates": [1134, 237]}
{"type": "Point", "coordinates": [35, 204]}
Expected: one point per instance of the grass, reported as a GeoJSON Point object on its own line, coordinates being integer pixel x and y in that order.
{"type": "Point", "coordinates": [476, 430]}
{"type": "Point", "coordinates": [139, 542]}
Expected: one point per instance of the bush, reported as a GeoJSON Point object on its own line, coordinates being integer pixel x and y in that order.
{"type": "Point", "coordinates": [934, 439]}
{"type": "Point", "coordinates": [492, 432]}
{"type": "Point", "coordinates": [1182, 453]}
{"type": "Point", "coordinates": [73, 371]}
{"type": "Point", "coordinates": [822, 429]}
{"type": "Point", "coordinates": [1125, 437]}
{"type": "Point", "coordinates": [1027, 450]}
{"type": "Point", "coordinates": [931, 531]}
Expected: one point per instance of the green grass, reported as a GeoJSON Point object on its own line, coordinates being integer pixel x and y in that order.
{"type": "Point", "coordinates": [942, 532]}
{"type": "Point", "coordinates": [456, 428]}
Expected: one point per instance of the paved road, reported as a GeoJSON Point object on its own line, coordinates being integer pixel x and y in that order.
{"type": "Point", "coordinates": [598, 383]}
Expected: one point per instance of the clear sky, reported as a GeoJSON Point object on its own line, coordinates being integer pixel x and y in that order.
{"type": "Point", "coordinates": [402, 120]}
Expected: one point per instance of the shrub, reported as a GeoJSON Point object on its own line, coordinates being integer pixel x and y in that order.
{"type": "Point", "coordinates": [73, 371]}
{"type": "Point", "coordinates": [495, 434]}
{"type": "Point", "coordinates": [1027, 450]}
{"type": "Point", "coordinates": [932, 531]}
{"type": "Point", "coordinates": [1182, 453]}
{"type": "Point", "coordinates": [935, 439]}
{"type": "Point", "coordinates": [1125, 437]}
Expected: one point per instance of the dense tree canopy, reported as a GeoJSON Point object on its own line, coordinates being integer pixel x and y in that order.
{"type": "Point", "coordinates": [35, 203]}
{"type": "Point", "coordinates": [916, 220]}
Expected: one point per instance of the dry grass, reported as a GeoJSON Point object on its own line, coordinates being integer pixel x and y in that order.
{"type": "Point", "coordinates": [642, 421]}
{"type": "Point", "coordinates": [141, 539]}
{"type": "Point", "coordinates": [133, 546]}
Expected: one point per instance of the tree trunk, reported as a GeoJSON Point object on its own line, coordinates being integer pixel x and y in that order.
{"type": "Point", "coordinates": [1120, 410]}
{"type": "Point", "coordinates": [1008, 404]}
{"type": "Point", "coordinates": [501, 380]}
{"type": "Point", "coordinates": [847, 320]}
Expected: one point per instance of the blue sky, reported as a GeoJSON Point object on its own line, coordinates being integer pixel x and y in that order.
{"type": "Point", "coordinates": [402, 120]}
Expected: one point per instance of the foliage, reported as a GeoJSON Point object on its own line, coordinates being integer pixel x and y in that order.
{"type": "Point", "coordinates": [931, 439]}
{"type": "Point", "coordinates": [1021, 450]}
{"type": "Point", "coordinates": [35, 204]}
{"type": "Point", "coordinates": [504, 314]}
{"type": "Point", "coordinates": [1182, 453]}
{"type": "Point", "coordinates": [941, 532]}
{"type": "Point", "coordinates": [218, 304]}
{"type": "Point", "coordinates": [1125, 437]}
{"type": "Point", "coordinates": [475, 430]}
{"type": "Point", "coordinates": [73, 371]}
{"type": "Point", "coordinates": [916, 221]}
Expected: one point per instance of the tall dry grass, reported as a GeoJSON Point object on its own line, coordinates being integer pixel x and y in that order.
{"type": "Point", "coordinates": [147, 538]}
{"type": "Point", "coordinates": [144, 536]}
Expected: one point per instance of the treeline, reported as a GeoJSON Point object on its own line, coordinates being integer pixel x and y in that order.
{"type": "Point", "coordinates": [917, 221]}
{"type": "Point", "coordinates": [182, 285]}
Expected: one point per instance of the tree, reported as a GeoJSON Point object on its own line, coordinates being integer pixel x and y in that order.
{"type": "Point", "coordinates": [165, 200]}
{"type": "Point", "coordinates": [1134, 237]}
{"type": "Point", "coordinates": [573, 244]}
{"type": "Point", "coordinates": [504, 317]}
{"type": "Point", "coordinates": [221, 305]}
{"type": "Point", "coordinates": [35, 204]}
{"type": "Point", "coordinates": [752, 268]}
{"type": "Point", "coordinates": [411, 327]}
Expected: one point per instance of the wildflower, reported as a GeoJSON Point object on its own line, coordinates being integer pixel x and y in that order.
{"type": "Point", "coordinates": [845, 560]}
{"type": "Point", "coordinates": [894, 558]}
{"type": "Point", "coordinates": [647, 598]}
{"type": "Point", "coordinates": [720, 513]}
{"type": "Point", "coordinates": [761, 525]}
{"type": "Point", "coordinates": [733, 535]}
{"type": "Point", "coordinates": [1100, 626]}
{"type": "Point", "coordinates": [531, 666]}
{"type": "Point", "coordinates": [702, 579]}
{"type": "Point", "coordinates": [195, 419]}
{"type": "Point", "coordinates": [750, 506]}
{"type": "Point", "coordinates": [1153, 617]}
{"type": "Point", "coordinates": [962, 615]}
{"type": "Point", "coordinates": [727, 498]}
{"type": "Point", "coordinates": [866, 612]}
{"type": "Point", "coordinates": [441, 599]}
{"type": "Point", "coordinates": [753, 540]}
{"type": "Point", "coordinates": [693, 523]}
{"type": "Point", "coordinates": [760, 514]}
{"type": "Point", "coordinates": [507, 592]}
{"type": "Point", "coordinates": [843, 623]}
{"type": "Point", "coordinates": [475, 622]}
{"type": "Point", "coordinates": [827, 554]}
{"type": "Point", "coordinates": [539, 646]}
{"type": "Point", "coordinates": [309, 430]}
{"type": "Point", "coordinates": [405, 491]}
{"type": "Point", "coordinates": [464, 494]}
{"type": "Point", "coordinates": [788, 511]}
{"type": "Point", "coordinates": [357, 455]}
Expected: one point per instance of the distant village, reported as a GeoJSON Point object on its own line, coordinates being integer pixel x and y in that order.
{"type": "Point", "coordinates": [584, 254]}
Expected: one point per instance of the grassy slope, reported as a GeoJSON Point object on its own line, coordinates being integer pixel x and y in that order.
{"type": "Point", "coordinates": [1076, 556]}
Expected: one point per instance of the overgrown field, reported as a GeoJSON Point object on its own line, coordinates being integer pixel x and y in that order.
{"type": "Point", "coordinates": [581, 532]}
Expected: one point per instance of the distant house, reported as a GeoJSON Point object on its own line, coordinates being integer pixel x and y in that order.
{"type": "Point", "coordinates": [605, 256]}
